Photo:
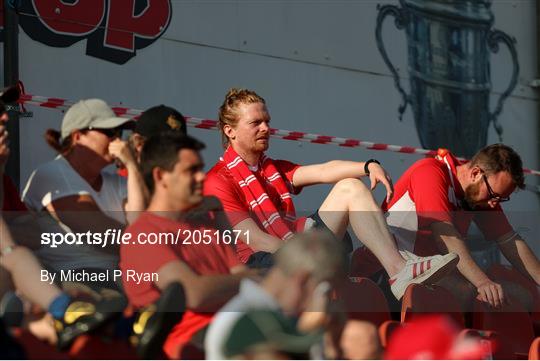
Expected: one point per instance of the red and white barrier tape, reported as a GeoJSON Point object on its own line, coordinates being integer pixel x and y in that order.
{"type": "Point", "coordinates": [64, 104]}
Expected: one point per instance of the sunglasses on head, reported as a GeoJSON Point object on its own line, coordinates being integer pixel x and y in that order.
{"type": "Point", "coordinates": [492, 195]}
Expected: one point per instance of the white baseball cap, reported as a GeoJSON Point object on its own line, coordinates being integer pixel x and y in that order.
{"type": "Point", "coordinates": [88, 114]}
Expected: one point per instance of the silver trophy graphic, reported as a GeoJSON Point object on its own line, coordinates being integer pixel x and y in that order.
{"type": "Point", "coordinates": [449, 44]}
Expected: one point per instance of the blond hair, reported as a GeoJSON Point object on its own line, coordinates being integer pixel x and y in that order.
{"type": "Point", "coordinates": [228, 110]}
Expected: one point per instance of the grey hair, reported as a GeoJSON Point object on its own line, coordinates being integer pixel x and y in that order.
{"type": "Point", "coordinates": [315, 252]}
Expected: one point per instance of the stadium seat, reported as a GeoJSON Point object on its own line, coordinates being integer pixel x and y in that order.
{"type": "Point", "coordinates": [363, 300]}
{"type": "Point", "coordinates": [499, 272]}
{"type": "Point", "coordinates": [534, 350]}
{"type": "Point", "coordinates": [511, 322]}
{"type": "Point", "coordinates": [420, 300]}
{"type": "Point", "coordinates": [156, 321]}
{"type": "Point", "coordinates": [364, 263]}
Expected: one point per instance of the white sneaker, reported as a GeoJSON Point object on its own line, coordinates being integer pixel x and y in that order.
{"type": "Point", "coordinates": [411, 256]}
{"type": "Point", "coordinates": [408, 255]}
{"type": "Point", "coordinates": [422, 270]}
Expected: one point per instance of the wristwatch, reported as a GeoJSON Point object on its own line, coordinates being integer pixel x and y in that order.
{"type": "Point", "coordinates": [366, 165]}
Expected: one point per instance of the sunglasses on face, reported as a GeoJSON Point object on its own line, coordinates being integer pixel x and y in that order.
{"type": "Point", "coordinates": [110, 133]}
{"type": "Point", "coordinates": [492, 195]}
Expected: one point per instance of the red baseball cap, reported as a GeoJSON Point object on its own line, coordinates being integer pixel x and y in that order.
{"type": "Point", "coordinates": [434, 338]}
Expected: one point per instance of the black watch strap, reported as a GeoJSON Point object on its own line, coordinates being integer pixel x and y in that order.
{"type": "Point", "coordinates": [366, 165]}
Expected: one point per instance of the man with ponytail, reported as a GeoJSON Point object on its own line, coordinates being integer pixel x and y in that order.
{"type": "Point", "coordinates": [256, 194]}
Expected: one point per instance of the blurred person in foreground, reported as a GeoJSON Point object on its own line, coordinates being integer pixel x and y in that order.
{"type": "Point", "coordinates": [68, 316]}
{"type": "Point", "coordinates": [306, 269]}
{"type": "Point", "coordinates": [435, 338]}
{"type": "Point", "coordinates": [267, 335]}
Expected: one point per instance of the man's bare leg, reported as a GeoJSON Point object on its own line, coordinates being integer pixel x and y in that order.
{"type": "Point", "coordinates": [351, 202]}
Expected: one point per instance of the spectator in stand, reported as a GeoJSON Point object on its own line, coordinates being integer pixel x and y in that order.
{"type": "Point", "coordinates": [153, 121]}
{"type": "Point", "coordinates": [256, 194]}
{"type": "Point", "coordinates": [75, 189]}
{"type": "Point", "coordinates": [24, 269]}
{"type": "Point", "coordinates": [160, 119]}
{"type": "Point", "coordinates": [434, 221]}
{"type": "Point", "coordinates": [209, 272]}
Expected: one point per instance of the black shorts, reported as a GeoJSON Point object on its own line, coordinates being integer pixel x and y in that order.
{"type": "Point", "coordinates": [265, 260]}
{"type": "Point", "coordinates": [321, 226]}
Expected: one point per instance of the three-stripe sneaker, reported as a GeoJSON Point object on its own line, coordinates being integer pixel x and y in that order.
{"type": "Point", "coordinates": [422, 270]}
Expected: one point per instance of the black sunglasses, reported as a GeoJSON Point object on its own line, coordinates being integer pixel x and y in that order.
{"type": "Point", "coordinates": [492, 195]}
{"type": "Point", "coordinates": [111, 133]}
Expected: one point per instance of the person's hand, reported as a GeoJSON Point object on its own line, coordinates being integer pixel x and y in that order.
{"type": "Point", "coordinates": [120, 150]}
{"type": "Point", "coordinates": [377, 174]}
{"type": "Point", "coordinates": [492, 293]}
{"type": "Point", "coordinates": [316, 316]}
{"type": "Point", "coordinates": [4, 147]}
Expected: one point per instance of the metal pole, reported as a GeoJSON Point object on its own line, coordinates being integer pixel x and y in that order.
{"type": "Point", "coordinates": [538, 76]}
{"type": "Point", "coordinates": [538, 67]}
{"type": "Point", "coordinates": [11, 77]}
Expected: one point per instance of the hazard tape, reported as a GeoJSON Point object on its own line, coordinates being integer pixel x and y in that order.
{"type": "Point", "coordinates": [64, 104]}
